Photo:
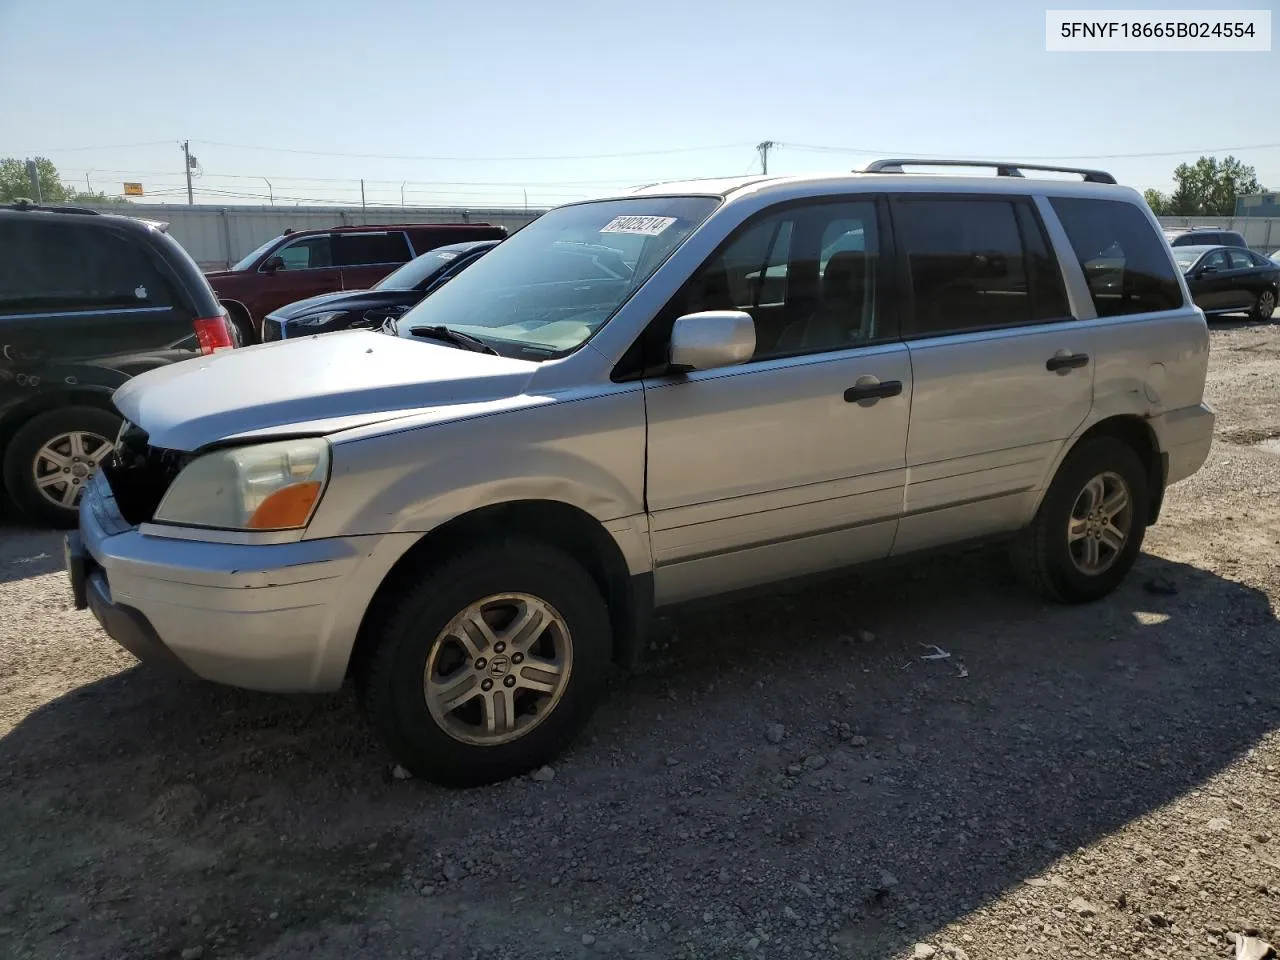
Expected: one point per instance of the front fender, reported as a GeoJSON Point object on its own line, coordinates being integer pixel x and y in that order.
{"type": "Point", "coordinates": [588, 453]}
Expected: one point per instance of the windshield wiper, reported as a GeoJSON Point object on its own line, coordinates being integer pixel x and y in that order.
{"type": "Point", "coordinates": [461, 340]}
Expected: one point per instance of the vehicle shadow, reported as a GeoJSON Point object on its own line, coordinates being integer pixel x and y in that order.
{"type": "Point", "coordinates": [904, 790]}
{"type": "Point", "coordinates": [1241, 321]}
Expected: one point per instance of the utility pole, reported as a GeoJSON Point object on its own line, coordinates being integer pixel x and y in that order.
{"type": "Point", "coordinates": [87, 186]}
{"type": "Point", "coordinates": [33, 171]}
{"type": "Point", "coordinates": [362, 193]}
{"type": "Point", "coordinates": [186, 164]}
{"type": "Point", "coordinates": [271, 195]}
{"type": "Point", "coordinates": [764, 146]}
{"type": "Point", "coordinates": [402, 193]}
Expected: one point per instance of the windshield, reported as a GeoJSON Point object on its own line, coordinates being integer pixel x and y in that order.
{"type": "Point", "coordinates": [419, 271]}
{"type": "Point", "coordinates": [1184, 257]}
{"type": "Point", "coordinates": [548, 287]}
{"type": "Point", "coordinates": [247, 262]}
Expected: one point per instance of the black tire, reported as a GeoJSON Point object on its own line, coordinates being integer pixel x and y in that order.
{"type": "Point", "coordinates": [1265, 305]}
{"type": "Point", "coordinates": [1044, 555]}
{"type": "Point", "coordinates": [245, 332]}
{"type": "Point", "coordinates": [390, 681]}
{"type": "Point", "coordinates": [20, 459]}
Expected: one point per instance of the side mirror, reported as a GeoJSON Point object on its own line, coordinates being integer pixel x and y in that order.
{"type": "Point", "coordinates": [711, 339]}
{"type": "Point", "coordinates": [272, 264]}
{"type": "Point", "coordinates": [1207, 268]}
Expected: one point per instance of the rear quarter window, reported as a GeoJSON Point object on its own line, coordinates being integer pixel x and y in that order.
{"type": "Point", "coordinates": [1125, 261]}
{"type": "Point", "coordinates": [69, 266]}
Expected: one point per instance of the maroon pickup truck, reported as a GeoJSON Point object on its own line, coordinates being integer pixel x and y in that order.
{"type": "Point", "coordinates": [305, 263]}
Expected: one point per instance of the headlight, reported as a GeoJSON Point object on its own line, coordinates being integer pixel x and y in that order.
{"type": "Point", "coordinates": [314, 320]}
{"type": "Point", "coordinates": [270, 486]}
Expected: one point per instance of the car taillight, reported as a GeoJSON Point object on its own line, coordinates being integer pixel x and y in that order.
{"type": "Point", "coordinates": [214, 333]}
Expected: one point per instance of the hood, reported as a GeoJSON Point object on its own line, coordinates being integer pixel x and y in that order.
{"type": "Point", "coordinates": [313, 386]}
{"type": "Point", "coordinates": [345, 300]}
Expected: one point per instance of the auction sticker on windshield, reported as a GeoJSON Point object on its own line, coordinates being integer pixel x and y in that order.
{"type": "Point", "coordinates": [645, 226]}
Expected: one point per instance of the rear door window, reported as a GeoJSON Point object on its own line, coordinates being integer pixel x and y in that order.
{"type": "Point", "coordinates": [975, 263]}
{"type": "Point", "coordinates": [1127, 266]}
{"type": "Point", "coordinates": [367, 249]}
{"type": "Point", "coordinates": [68, 266]}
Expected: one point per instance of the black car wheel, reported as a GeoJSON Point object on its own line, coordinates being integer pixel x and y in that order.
{"type": "Point", "coordinates": [50, 458]}
{"type": "Point", "coordinates": [243, 329]}
{"type": "Point", "coordinates": [1089, 529]}
{"type": "Point", "coordinates": [488, 664]}
{"type": "Point", "coordinates": [1266, 305]}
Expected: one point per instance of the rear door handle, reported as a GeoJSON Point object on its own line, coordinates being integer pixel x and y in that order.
{"type": "Point", "coordinates": [873, 391]}
{"type": "Point", "coordinates": [1062, 362]}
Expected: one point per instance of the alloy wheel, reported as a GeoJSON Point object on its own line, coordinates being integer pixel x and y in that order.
{"type": "Point", "coordinates": [1101, 520]}
{"type": "Point", "coordinates": [498, 669]}
{"type": "Point", "coordinates": [62, 466]}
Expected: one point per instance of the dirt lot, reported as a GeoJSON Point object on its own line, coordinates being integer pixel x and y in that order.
{"type": "Point", "coordinates": [787, 778]}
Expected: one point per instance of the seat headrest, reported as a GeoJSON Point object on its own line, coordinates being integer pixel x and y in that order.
{"type": "Point", "coordinates": [843, 270]}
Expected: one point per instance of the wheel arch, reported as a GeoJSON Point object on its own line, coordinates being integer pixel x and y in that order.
{"type": "Point", "coordinates": [629, 597]}
{"type": "Point", "coordinates": [234, 306]}
{"type": "Point", "coordinates": [1137, 434]}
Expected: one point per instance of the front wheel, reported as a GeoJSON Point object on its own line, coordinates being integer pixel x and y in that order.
{"type": "Point", "coordinates": [488, 665]}
{"type": "Point", "coordinates": [1266, 305]}
{"type": "Point", "coordinates": [1090, 525]}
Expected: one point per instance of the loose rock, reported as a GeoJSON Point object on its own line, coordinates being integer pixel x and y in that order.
{"type": "Point", "coordinates": [1082, 907]}
{"type": "Point", "coordinates": [775, 732]}
{"type": "Point", "coordinates": [543, 774]}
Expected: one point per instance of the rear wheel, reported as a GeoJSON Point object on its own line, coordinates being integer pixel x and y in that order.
{"type": "Point", "coordinates": [1266, 305]}
{"type": "Point", "coordinates": [488, 664]}
{"type": "Point", "coordinates": [50, 458]}
{"type": "Point", "coordinates": [1089, 529]}
{"type": "Point", "coordinates": [244, 331]}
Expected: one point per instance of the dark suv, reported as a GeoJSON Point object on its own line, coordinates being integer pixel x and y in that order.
{"type": "Point", "coordinates": [306, 263]}
{"type": "Point", "coordinates": [86, 302]}
{"type": "Point", "coordinates": [1205, 237]}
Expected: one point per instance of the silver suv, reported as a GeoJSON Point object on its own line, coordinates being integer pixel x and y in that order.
{"type": "Point", "coordinates": [686, 391]}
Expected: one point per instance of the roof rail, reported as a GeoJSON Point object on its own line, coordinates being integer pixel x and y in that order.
{"type": "Point", "coordinates": [1002, 168]}
{"type": "Point", "coordinates": [28, 205]}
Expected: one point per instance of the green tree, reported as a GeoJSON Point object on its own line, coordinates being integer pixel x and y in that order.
{"type": "Point", "coordinates": [15, 184]}
{"type": "Point", "coordinates": [1209, 187]}
{"type": "Point", "coordinates": [1158, 202]}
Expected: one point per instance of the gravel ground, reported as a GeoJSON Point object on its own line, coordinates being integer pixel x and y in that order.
{"type": "Point", "coordinates": [788, 777]}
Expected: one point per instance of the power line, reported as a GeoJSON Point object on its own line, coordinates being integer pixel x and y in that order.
{"type": "Point", "coordinates": [816, 148]}
{"type": "Point", "coordinates": [393, 156]}
{"type": "Point", "coordinates": [109, 146]}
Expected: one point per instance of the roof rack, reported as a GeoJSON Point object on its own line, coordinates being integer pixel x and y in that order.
{"type": "Point", "coordinates": [1002, 168]}
{"type": "Point", "coordinates": [28, 205]}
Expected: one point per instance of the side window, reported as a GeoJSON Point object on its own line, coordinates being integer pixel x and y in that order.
{"type": "Point", "coordinates": [1217, 260]}
{"type": "Point", "coordinates": [309, 253]}
{"type": "Point", "coordinates": [360, 249]}
{"type": "Point", "coordinates": [1128, 268]}
{"type": "Point", "coordinates": [68, 266]}
{"type": "Point", "coordinates": [1240, 259]}
{"type": "Point", "coordinates": [804, 296]}
{"type": "Point", "coordinates": [965, 261]}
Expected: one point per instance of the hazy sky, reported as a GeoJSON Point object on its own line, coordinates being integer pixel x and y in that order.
{"type": "Point", "coordinates": [476, 96]}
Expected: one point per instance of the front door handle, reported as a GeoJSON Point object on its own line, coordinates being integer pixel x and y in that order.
{"type": "Point", "coordinates": [873, 391]}
{"type": "Point", "coordinates": [1062, 362]}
